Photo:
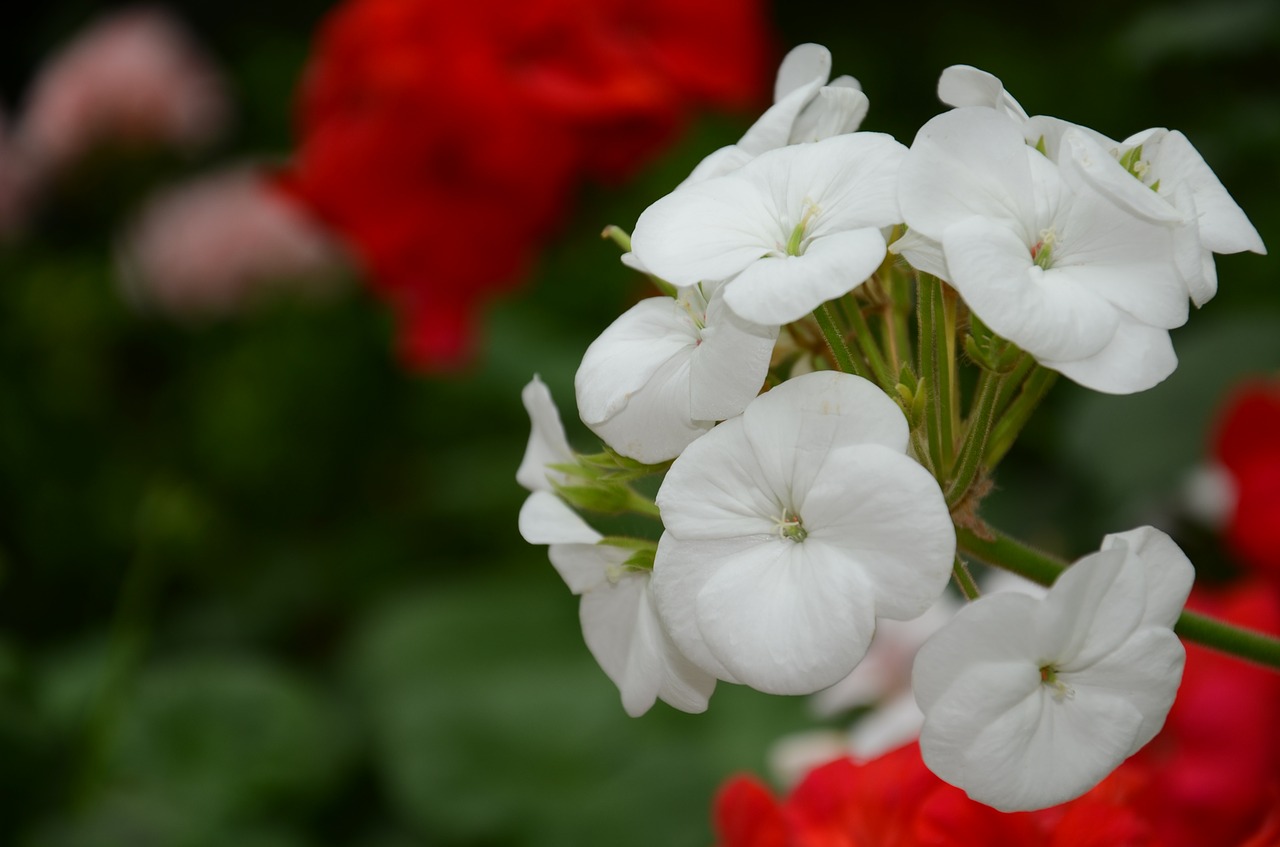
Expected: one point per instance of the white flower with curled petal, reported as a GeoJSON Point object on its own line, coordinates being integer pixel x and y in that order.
{"type": "Point", "coordinates": [806, 108]}
{"type": "Point", "coordinates": [1156, 174]}
{"type": "Point", "coordinates": [1029, 703]}
{"type": "Point", "coordinates": [790, 528]}
{"type": "Point", "coordinates": [789, 230]}
{"type": "Point", "coordinates": [1040, 255]}
{"type": "Point", "coordinates": [666, 370]}
{"type": "Point", "coordinates": [619, 623]}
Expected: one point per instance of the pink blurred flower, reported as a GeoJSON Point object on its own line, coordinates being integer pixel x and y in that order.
{"type": "Point", "coordinates": [14, 185]}
{"type": "Point", "coordinates": [132, 77]}
{"type": "Point", "coordinates": [207, 247]}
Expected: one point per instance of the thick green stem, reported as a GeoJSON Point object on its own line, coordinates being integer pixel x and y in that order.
{"type": "Point", "coordinates": [841, 355]}
{"type": "Point", "coordinates": [1008, 553]}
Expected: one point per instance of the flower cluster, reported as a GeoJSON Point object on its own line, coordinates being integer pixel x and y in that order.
{"type": "Point", "coordinates": [847, 492]}
{"type": "Point", "coordinates": [443, 142]}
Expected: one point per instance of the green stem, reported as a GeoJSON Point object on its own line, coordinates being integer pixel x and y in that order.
{"type": "Point", "coordinates": [964, 580]}
{"type": "Point", "coordinates": [977, 431]}
{"type": "Point", "coordinates": [945, 350]}
{"type": "Point", "coordinates": [641, 505]}
{"type": "Point", "coordinates": [840, 352]}
{"type": "Point", "coordinates": [899, 309]}
{"type": "Point", "coordinates": [1011, 554]}
{"type": "Point", "coordinates": [1035, 388]}
{"type": "Point", "coordinates": [868, 345]}
{"type": "Point", "coordinates": [926, 336]}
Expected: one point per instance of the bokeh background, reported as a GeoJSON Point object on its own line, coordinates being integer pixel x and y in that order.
{"type": "Point", "coordinates": [261, 585]}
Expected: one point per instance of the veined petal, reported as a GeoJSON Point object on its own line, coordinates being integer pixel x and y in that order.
{"type": "Point", "coordinates": [655, 425]}
{"type": "Point", "coordinates": [786, 617]}
{"type": "Point", "coordinates": [864, 499]}
{"type": "Point", "coordinates": [993, 270]}
{"type": "Point", "coordinates": [547, 441]}
{"type": "Point", "coordinates": [1093, 163]}
{"type": "Point", "coordinates": [780, 289]}
{"type": "Point", "coordinates": [627, 355]}
{"type": "Point", "coordinates": [1138, 357]}
{"type": "Point", "coordinates": [729, 366]}
{"type": "Point", "coordinates": [546, 519]}
{"type": "Point", "coordinates": [680, 570]}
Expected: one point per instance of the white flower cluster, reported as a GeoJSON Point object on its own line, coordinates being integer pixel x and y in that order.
{"type": "Point", "coordinates": [794, 519]}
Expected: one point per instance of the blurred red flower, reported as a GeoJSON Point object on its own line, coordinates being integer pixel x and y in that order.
{"type": "Point", "coordinates": [443, 142]}
{"type": "Point", "coordinates": [1247, 444]}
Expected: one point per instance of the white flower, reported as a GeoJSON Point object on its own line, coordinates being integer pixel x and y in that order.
{"type": "Point", "coordinates": [1156, 174]}
{"type": "Point", "coordinates": [665, 371]}
{"type": "Point", "coordinates": [1029, 703]}
{"type": "Point", "coordinates": [789, 230]}
{"type": "Point", "coordinates": [789, 529]}
{"type": "Point", "coordinates": [806, 108]}
{"type": "Point", "coordinates": [619, 622]}
{"type": "Point", "coordinates": [1040, 255]}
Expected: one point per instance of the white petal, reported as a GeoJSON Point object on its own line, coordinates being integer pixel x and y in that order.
{"type": "Point", "coordinates": [546, 519]}
{"type": "Point", "coordinates": [547, 442]}
{"type": "Point", "coordinates": [1146, 671]}
{"type": "Point", "coordinates": [1045, 751]}
{"type": "Point", "coordinates": [993, 271]}
{"type": "Point", "coordinates": [1168, 572]}
{"type": "Point", "coordinates": [966, 162]}
{"type": "Point", "coordinates": [707, 231]}
{"type": "Point", "coordinates": [1224, 228]}
{"type": "Point", "coordinates": [786, 617]}
{"type": "Point", "coordinates": [1095, 164]}
{"type": "Point", "coordinates": [655, 425]}
{"type": "Point", "coordinates": [624, 634]}
{"type": "Point", "coordinates": [965, 85]}
{"type": "Point", "coordinates": [852, 180]}
{"type": "Point", "coordinates": [803, 65]}
{"type": "Point", "coordinates": [886, 728]}
{"type": "Point", "coordinates": [627, 354]}
{"type": "Point", "coordinates": [586, 567]}
{"type": "Point", "coordinates": [729, 367]}
{"type": "Point", "coordinates": [1138, 357]}
{"type": "Point", "coordinates": [882, 510]}
{"type": "Point", "coordinates": [780, 289]}
{"type": "Point", "coordinates": [835, 110]}
{"type": "Point", "coordinates": [791, 430]}
{"type": "Point", "coordinates": [680, 570]}
{"type": "Point", "coordinates": [923, 254]}
{"type": "Point", "coordinates": [726, 160]}
{"type": "Point", "coordinates": [978, 634]}
{"type": "Point", "coordinates": [1092, 608]}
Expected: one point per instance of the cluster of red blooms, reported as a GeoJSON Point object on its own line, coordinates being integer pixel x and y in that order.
{"type": "Point", "coordinates": [443, 141]}
{"type": "Point", "coordinates": [1247, 445]}
{"type": "Point", "coordinates": [1212, 776]}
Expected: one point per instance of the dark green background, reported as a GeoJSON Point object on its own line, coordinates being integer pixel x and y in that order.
{"type": "Point", "coordinates": [259, 586]}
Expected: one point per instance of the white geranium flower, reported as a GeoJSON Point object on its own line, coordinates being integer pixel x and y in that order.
{"type": "Point", "coordinates": [1041, 256]}
{"type": "Point", "coordinates": [790, 230]}
{"type": "Point", "coordinates": [1029, 703]}
{"type": "Point", "coordinates": [619, 623]}
{"type": "Point", "coordinates": [806, 108]}
{"type": "Point", "coordinates": [665, 371]}
{"type": "Point", "coordinates": [789, 529]}
{"type": "Point", "coordinates": [1156, 174]}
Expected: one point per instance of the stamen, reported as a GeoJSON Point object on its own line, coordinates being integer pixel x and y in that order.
{"type": "Point", "coordinates": [791, 527]}
{"type": "Point", "coordinates": [795, 242]}
{"type": "Point", "coordinates": [1042, 252]}
{"type": "Point", "coordinates": [1059, 689]}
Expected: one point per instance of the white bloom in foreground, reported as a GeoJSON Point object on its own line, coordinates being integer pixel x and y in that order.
{"type": "Point", "coordinates": [789, 230]}
{"type": "Point", "coordinates": [789, 529]}
{"type": "Point", "coordinates": [1041, 256]}
{"type": "Point", "coordinates": [666, 370]}
{"type": "Point", "coordinates": [1029, 703]}
{"type": "Point", "coordinates": [806, 108]}
{"type": "Point", "coordinates": [619, 622]}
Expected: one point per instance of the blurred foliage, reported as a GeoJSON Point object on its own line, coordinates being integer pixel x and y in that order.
{"type": "Point", "coordinates": [259, 586]}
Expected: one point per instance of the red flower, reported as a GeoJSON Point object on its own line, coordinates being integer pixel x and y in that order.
{"type": "Point", "coordinates": [1248, 445]}
{"type": "Point", "coordinates": [443, 142]}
